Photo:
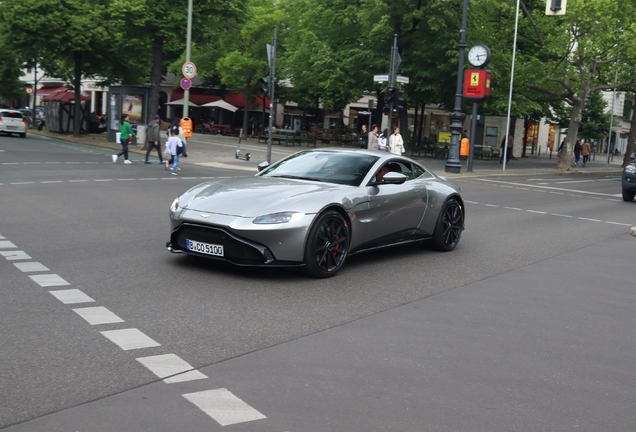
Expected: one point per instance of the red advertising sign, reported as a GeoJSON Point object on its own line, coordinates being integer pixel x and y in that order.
{"type": "Point", "coordinates": [477, 84]}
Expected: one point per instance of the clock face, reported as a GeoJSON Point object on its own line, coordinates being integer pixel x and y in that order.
{"type": "Point", "coordinates": [479, 55]}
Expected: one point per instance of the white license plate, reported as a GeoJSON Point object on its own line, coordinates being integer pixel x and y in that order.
{"type": "Point", "coordinates": [204, 248]}
{"type": "Point", "coordinates": [12, 127]}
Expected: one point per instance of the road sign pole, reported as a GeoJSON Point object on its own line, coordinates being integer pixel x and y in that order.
{"type": "Point", "coordinates": [272, 82]}
{"type": "Point", "coordinates": [186, 93]}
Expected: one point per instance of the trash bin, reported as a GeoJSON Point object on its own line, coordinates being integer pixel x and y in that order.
{"type": "Point", "coordinates": [142, 133]}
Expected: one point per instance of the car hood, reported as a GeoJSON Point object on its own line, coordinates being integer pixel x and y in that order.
{"type": "Point", "coordinates": [257, 196]}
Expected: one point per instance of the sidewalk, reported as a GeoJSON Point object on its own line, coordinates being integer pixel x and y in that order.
{"type": "Point", "coordinates": [219, 152]}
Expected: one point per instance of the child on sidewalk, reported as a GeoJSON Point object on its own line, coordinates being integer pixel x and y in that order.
{"type": "Point", "coordinates": [174, 147]}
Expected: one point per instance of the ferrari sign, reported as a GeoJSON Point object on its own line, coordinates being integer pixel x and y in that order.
{"type": "Point", "coordinates": [477, 84]}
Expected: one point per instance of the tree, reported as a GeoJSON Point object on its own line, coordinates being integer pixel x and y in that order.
{"type": "Point", "coordinates": [10, 71]}
{"type": "Point", "coordinates": [165, 26]}
{"type": "Point", "coordinates": [595, 121]}
{"type": "Point", "coordinates": [581, 54]}
{"type": "Point", "coordinates": [74, 39]}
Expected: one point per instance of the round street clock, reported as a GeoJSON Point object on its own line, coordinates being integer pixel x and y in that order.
{"type": "Point", "coordinates": [479, 55]}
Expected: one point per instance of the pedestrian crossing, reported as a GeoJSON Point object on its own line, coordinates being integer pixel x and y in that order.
{"type": "Point", "coordinates": [219, 404]}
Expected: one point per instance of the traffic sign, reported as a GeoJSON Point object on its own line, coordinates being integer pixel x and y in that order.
{"type": "Point", "coordinates": [186, 83]}
{"type": "Point", "coordinates": [189, 70]}
{"type": "Point", "coordinates": [29, 90]}
{"type": "Point", "coordinates": [402, 79]}
{"type": "Point", "coordinates": [380, 78]}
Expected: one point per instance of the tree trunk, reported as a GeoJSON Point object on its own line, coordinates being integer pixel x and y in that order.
{"type": "Point", "coordinates": [573, 131]}
{"type": "Point", "coordinates": [631, 138]}
{"type": "Point", "coordinates": [77, 83]}
{"type": "Point", "coordinates": [155, 82]}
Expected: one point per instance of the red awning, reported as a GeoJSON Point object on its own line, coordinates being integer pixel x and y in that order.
{"type": "Point", "coordinates": [63, 96]}
{"type": "Point", "coordinates": [198, 97]}
{"type": "Point", "coordinates": [48, 90]}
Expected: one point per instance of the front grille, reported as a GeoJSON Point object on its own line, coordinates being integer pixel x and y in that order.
{"type": "Point", "coordinates": [236, 250]}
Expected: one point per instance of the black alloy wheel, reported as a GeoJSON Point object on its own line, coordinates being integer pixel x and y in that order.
{"type": "Point", "coordinates": [327, 245]}
{"type": "Point", "coordinates": [449, 226]}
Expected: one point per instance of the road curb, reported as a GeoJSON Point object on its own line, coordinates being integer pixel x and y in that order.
{"type": "Point", "coordinates": [632, 231]}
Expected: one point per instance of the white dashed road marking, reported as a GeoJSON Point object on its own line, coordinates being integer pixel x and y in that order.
{"type": "Point", "coordinates": [98, 315]}
{"type": "Point", "coordinates": [129, 339]}
{"type": "Point", "coordinates": [26, 267]}
{"type": "Point", "coordinates": [49, 280]}
{"type": "Point", "coordinates": [15, 255]}
{"type": "Point", "coordinates": [223, 406]}
{"type": "Point", "coordinates": [172, 366]}
{"type": "Point", "coordinates": [220, 404]}
{"type": "Point", "coordinates": [71, 296]}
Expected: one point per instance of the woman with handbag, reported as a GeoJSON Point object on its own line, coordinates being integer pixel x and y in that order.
{"type": "Point", "coordinates": [126, 135]}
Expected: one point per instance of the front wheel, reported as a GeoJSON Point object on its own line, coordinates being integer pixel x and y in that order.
{"type": "Point", "coordinates": [449, 226]}
{"type": "Point", "coordinates": [327, 245]}
{"type": "Point", "coordinates": [628, 196]}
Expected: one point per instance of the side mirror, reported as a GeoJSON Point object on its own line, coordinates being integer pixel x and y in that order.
{"type": "Point", "coordinates": [263, 165]}
{"type": "Point", "coordinates": [390, 178]}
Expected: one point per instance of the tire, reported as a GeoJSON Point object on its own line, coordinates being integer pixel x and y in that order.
{"type": "Point", "coordinates": [327, 245]}
{"type": "Point", "coordinates": [23, 135]}
{"type": "Point", "coordinates": [628, 196]}
{"type": "Point", "coordinates": [449, 226]}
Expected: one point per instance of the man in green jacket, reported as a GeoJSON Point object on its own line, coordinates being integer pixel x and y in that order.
{"type": "Point", "coordinates": [125, 135]}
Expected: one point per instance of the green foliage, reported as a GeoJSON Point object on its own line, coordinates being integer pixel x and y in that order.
{"type": "Point", "coordinates": [10, 71]}
{"type": "Point", "coordinates": [595, 122]}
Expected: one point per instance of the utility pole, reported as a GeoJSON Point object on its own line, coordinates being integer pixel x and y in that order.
{"type": "Point", "coordinates": [186, 92]}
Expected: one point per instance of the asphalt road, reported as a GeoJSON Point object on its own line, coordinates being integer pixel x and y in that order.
{"type": "Point", "coordinates": [527, 325]}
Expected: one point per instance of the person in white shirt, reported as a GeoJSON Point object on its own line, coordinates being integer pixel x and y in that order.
{"type": "Point", "coordinates": [382, 140]}
{"type": "Point", "coordinates": [396, 143]}
{"type": "Point", "coordinates": [174, 147]}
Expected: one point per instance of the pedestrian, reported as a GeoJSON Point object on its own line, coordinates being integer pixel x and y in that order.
{"type": "Point", "coordinates": [126, 135]}
{"type": "Point", "coordinates": [561, 146]}
{"type": "Point", "coordinates": [373, 138]}
{"type": "Point", "coordinates": [396, 143]}
{"type": "Point", "coordinates": [154, 138]}
{"type": "Point", "coordinates": [382, 141]}
{"type": "Point", "coordinates": [586, 151]}
{"type": "Point", "coordinates": [577, 152]}
{"type": "Point", "coordinates": [174, 147]}
{"type": "Point", "coordinates": [508, 148]}
{"type": "Point", "coordinates": [176, 123]}
{"type": "Point", "coordinates": [363, 139]}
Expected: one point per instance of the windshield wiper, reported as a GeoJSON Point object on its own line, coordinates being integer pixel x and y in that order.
{"type": "Point", "coordinates": [298, 177]}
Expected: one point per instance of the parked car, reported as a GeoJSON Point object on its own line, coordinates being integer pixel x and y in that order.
{"type": "Point", "coordinates": [12, 121]}
{"type": "Point", "coordinates": [316, 207]}
{"type": "Point", "coordinates": [629, 180]}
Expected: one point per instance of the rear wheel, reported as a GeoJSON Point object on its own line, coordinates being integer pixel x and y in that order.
{"type": "Point", "coordinates": [327, 245]}
{"type": "Point", "coordinates": [23, 135]}
{"type": "Point", "coordinates": [628, 196]}
{"type": "Point", "coordinates": [449, 226]}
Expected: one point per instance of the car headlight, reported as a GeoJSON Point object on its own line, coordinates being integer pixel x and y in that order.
{"type": "Point", "coordinates": [630, 169]}
{"type": "Point", "coordinates": [278, 218]}
{"type": "Point", "coordinates": [175, 205]}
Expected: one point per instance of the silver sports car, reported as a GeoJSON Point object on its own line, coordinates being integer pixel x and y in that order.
{"type": "Point", "coordinates": [316, 207]}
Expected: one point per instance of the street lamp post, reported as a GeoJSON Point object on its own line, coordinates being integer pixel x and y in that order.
{"type": "Point", "coordinates": [452, 163]}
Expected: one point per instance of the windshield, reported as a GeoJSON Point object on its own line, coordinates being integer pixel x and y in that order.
{"type": "Point", "coordinates": [328, 166]}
